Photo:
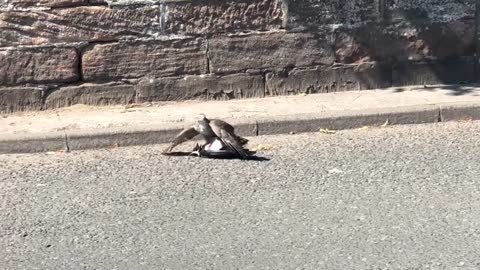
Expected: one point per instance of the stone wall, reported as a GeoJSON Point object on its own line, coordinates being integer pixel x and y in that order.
{"type": "Point", "coordinates": [56, 53]}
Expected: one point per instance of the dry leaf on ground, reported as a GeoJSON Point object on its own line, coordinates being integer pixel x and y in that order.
{"type": "Point", "coordinates": [327, 131]}
{"type": "Point", "coordinates": [365, 127]}
{"type": "Point", "coordinates": [264, 147]}
{"type": "Point", "coordinates": [385, 124]}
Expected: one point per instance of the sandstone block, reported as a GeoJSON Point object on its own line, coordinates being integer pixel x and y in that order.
{"type": "Point", "coordinates": [95, 23]}
{"type": "Point", "coordinates": [276, 50]}
{"type": "Point", "coordinates": [14, 99]}
{"type": "Point", "coordinates": [329, 14]}
{"type": "Point", "coordinates": [433, 10]}
{"type": "Point", "coordinates": [213, 16]}
{"type": "Point", "coordinates": [91, 94]}
{"type": "Point", "coordinates": [434, 72]}
{"type": "Point", "coordinates": [417, 41]}
{"type": "Point", "coordinates": [209, 87]}
{"type": "Point", "coordinates": [12, 4]}
{"type": "Point", "coordinates": [156, 58]}
{"type": "Point", "coordinates": [329, 79]}
{"type": "Point", "coordinates": [38, 65]}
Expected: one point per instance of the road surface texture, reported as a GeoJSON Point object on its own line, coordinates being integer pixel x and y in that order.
{"type": "Point", "coordinates": [403, 197]}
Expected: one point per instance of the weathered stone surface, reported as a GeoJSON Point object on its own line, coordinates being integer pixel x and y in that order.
{"type": "Point", "coordinates": [275, 50]}
{"type": "Point", "coordinates": [213, 16]}
{"type": "Point", "coordinates": [434, 10]}
{"type": "Point", "coordinates": [97, 2]}
{"type": "Point", "coordinates": [38, 65]}
{"type": "Point", "coordinates": [406, 41]}
{"type": "Point", "coordinates": [14, 99]}
{"type": "Point", "coordinates": [96, 23]}
{"type": "Point", "coordinates": [137, 59]}
{"type": "Point", "coordinates": [91, 94]}
{"type": "Point", "coordinates": [200, 87]}
{"type": "Point", "coordinates": [329, 14]}
{"type": "Point", "coordinates": [435, 72]}
{"type": "Point", "coordinates": [146, 2]}
{"type": "Point", "coordinates": [329, 79]}
{"type": "Point", "coordinates": [136, 2]}
{"type": "Point", "coordinates": [351, 47]}
{"type": "Point", "coordinates": [25, 4]}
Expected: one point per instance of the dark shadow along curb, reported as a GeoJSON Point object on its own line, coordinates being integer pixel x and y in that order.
{"type": "Point", "coordinates": [114, 137]}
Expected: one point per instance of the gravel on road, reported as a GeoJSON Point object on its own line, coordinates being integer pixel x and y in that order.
{"type": "Point", "coordinates": [403, 197]}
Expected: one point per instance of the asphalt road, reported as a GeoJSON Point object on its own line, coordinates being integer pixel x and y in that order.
{"type": "Point", "coordinates": [404, 197]}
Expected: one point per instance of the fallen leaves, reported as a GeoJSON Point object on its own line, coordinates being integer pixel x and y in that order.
{"type": "Point", "coordinates": [331, 131]}
{"type": "Point", "coordinates": [385, 124]}
{"type": "Point", "coordinates": [327, 131]}
{"type": "Point", "coordinates": [135, 106]}
{"type": "Point", "coordinates": [465, 120]}
{"type": "Point", "coordinates": [114, 146]}
{"type": "Point", "coordinates": [59, 152]}
{"type": "Point", "coordinates": [262, 147]}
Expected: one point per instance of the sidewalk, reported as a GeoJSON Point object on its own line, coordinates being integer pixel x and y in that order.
{"type": "Point", "coordinates": [84, 127]}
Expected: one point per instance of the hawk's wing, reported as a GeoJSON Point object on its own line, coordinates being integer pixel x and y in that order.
{"type": "Point", "coordinates": [230, 129]}
{"type": "Point", "coordinates": [185, 135]}
{"type": "Point", "coordinates": [224, 131]}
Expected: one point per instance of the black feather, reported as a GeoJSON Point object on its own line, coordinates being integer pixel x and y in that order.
{"type": "Point", "coordinates": [242, 140]}
{"type": "Point", "coordinates": [231, 142]}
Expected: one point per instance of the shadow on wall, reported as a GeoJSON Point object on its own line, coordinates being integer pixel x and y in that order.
{"type": "Point", "coordinates": [453, 90]}
{"type": "Point", "coordinates": [426, 43]}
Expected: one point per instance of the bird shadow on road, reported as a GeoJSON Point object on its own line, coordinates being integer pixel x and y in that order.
{"type": "Point", "coordinates": [185, 154]}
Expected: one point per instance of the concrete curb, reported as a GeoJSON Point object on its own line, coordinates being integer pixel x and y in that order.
{"type": "Point", "coordinates": [334, 120]}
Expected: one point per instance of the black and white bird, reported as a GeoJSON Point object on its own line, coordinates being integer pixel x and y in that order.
{"type": "Point", "coordinates": [212, 130]}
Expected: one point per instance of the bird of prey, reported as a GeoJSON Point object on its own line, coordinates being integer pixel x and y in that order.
{"type": "Point", "coordinates": [211, 131]}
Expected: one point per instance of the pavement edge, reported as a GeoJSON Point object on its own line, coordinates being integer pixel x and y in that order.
{"type": "Point", "coordinates": [333, 120]}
